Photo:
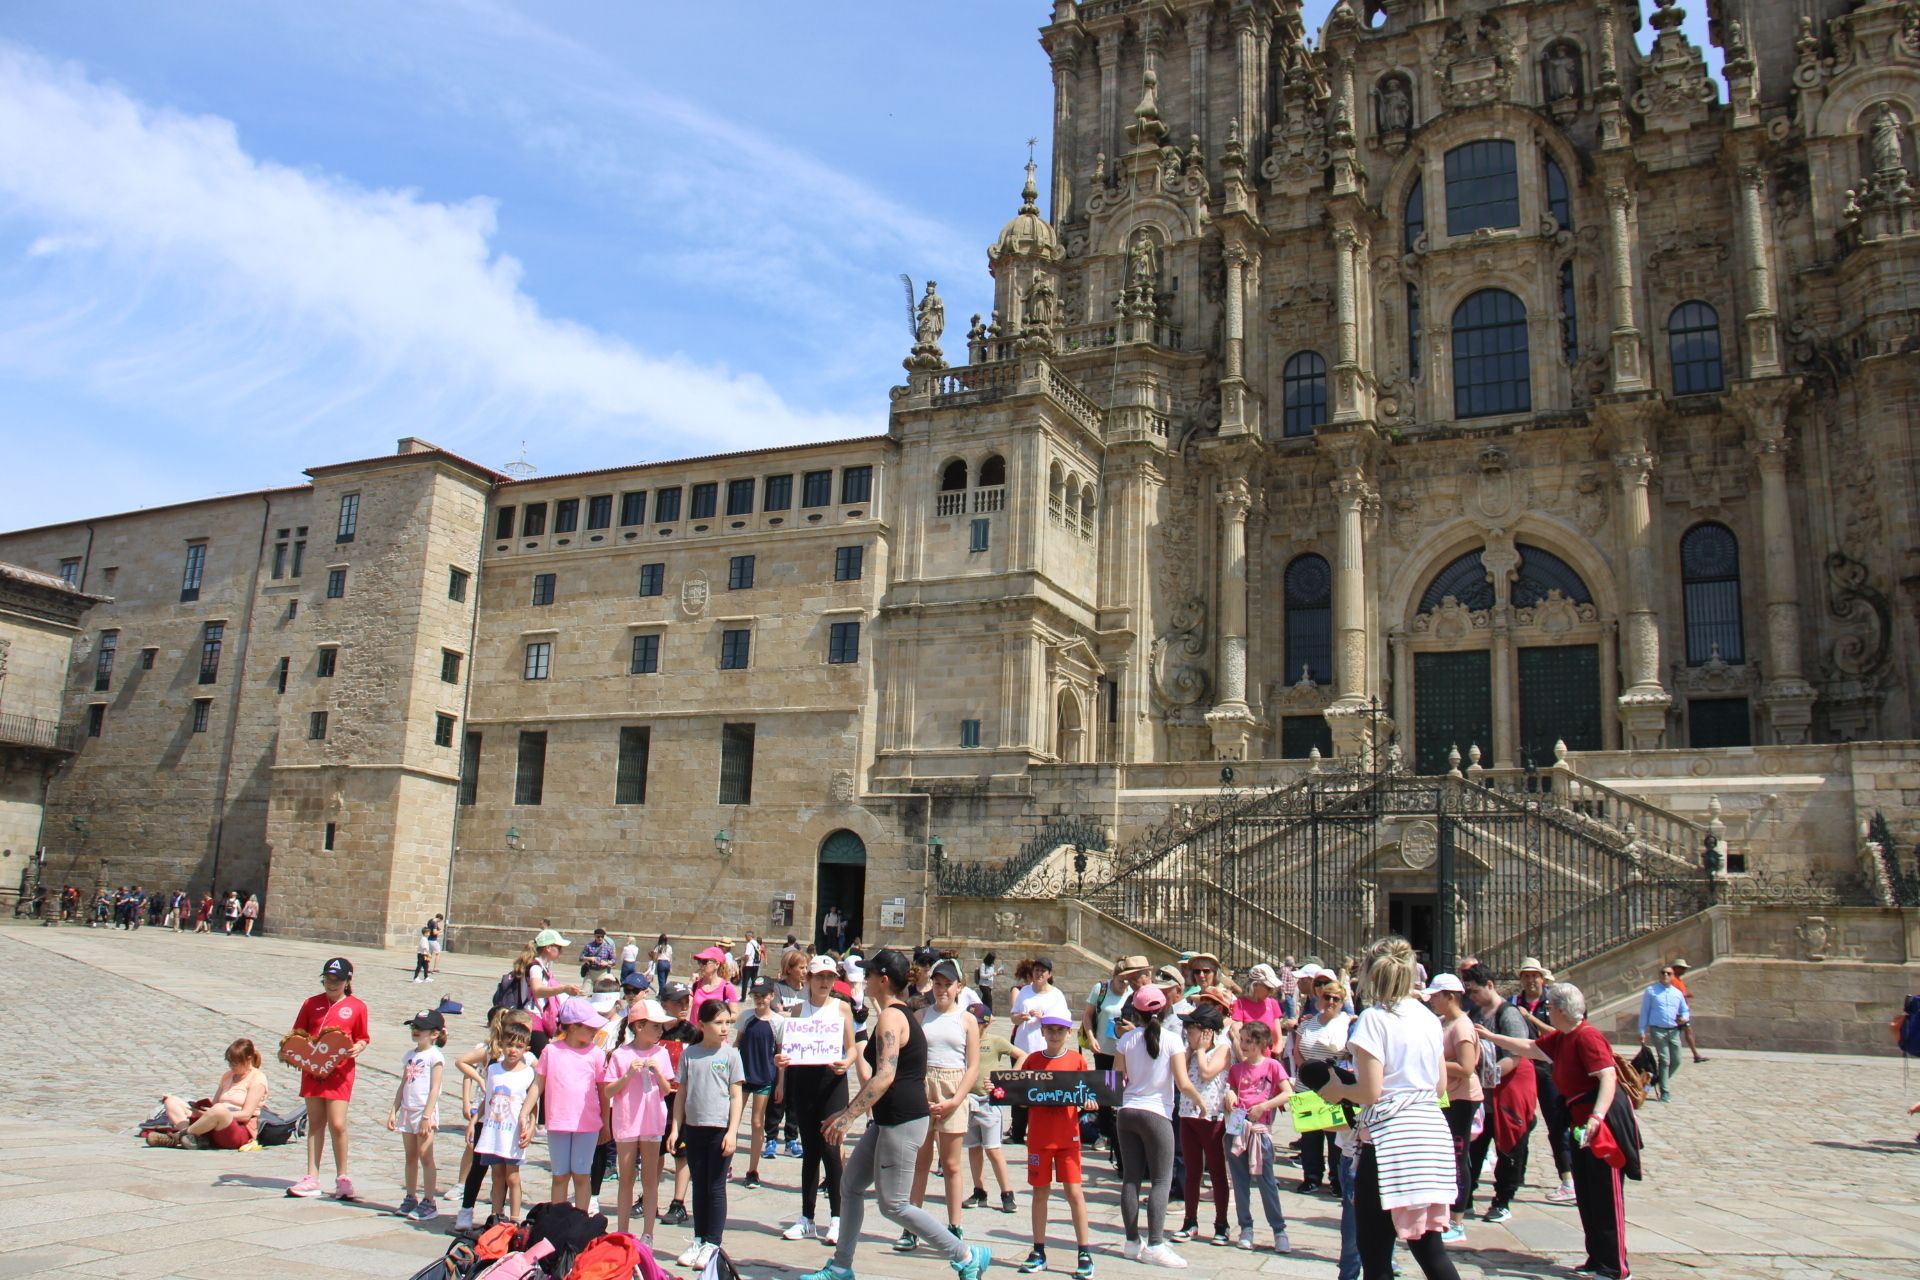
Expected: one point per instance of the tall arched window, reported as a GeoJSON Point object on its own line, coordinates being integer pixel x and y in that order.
{"type": "Point", "coordinates": [1693, 345]}
{"type": "Point", "coordinates": [1490, 356]}
{"type": "Point", "coordinates": [1483, 187]}
{"type": "Point", "coordinates": [1308, 585]}
{"type": "Point", "coordinates": [1416, 213]}
{"type": "Point", "coordinates": [993, 471]}
{"type": "Point", "coordinates": [953, 477]}
{"type": "Point", "coordinates": [1305, 384]}
{"type": "Point", "coordinates": [1710, 580]}
{"type": "Point", "coordinates": [1559, 203]}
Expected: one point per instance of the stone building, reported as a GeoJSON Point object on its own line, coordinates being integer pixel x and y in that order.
{"type": "Point", "coordinates": [1456, 376]}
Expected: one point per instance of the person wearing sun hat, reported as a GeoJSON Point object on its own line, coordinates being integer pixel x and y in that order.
{"type": "Point", "coordinates": [1532, 1001]}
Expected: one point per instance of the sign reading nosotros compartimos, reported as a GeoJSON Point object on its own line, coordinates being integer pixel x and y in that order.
{"type": "Point", "coordinates": [1056, 1088]}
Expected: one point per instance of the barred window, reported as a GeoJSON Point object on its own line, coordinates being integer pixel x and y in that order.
{"type": "Point", "coordinates": [630, 773]}
{"type": "Point", "coordinates": [1710, 583]}
{"type": "Point", "coordinates": [530, 777]}
{"type": "Point", "coordinates": [736, 764]}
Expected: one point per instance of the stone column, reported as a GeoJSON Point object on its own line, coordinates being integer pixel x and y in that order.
{"type": "Point", "coordinates": [1643, 706]}
{"type": "Point", "coordinates": [1199, 27]}
{"type": "Point", "coordinates": [1249, 43]}
{"type": "Point", "coordinates": [1629, 362]}
{"type": "Point", "coordinates": [1502, 561]}
{"type": "Point", "coordinates": [1787, 697]}
{"type": "Point", "coordinates": [1350, 401]}
{"type": "Point", "coordinates": [1237, 416]}
{"type": "Point", "coordinates": [1348, 716]}
{"type": "Point", "coordinates": [1066, 72]}
{"type": "Point", "coordinates": [1231, 719]}
{"type": "Point", "coordinates": [1763, 346]}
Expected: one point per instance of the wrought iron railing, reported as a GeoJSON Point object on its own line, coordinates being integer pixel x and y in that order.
{"type": "Point", "coordinates": [29, 731]}
{"type": "Point", "coordinates": [1313, 869]}
{"type": "Point", "coordinates": [958, 879]}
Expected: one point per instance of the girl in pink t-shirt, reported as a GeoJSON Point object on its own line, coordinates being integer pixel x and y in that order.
{"type": "Point", "coordinates": [1258, 1086]}
{"type": "Point", "coordinates": [637, 1079]}
{"type": "Point", "coordinates": [567, 1077]}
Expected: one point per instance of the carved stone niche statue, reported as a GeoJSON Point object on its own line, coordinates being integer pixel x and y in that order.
{"type": "Point", "coordinates": [1396, 105]}
{"type": "Point", "coordinates": [1883, 144]}
{"type": "Point", "coordinates": [1560, 72]}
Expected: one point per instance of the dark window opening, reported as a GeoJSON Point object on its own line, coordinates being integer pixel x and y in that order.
{"type": "Point", "coordinates": [630, 774]}
{"type": "Point", "coordinates": [1483, 187]}
{"type": "Point", "coordinates": [1490, 372]}
{"type": "Point", "coordinates": [666, 505]}
{"type": "Point", "coordinates": [739, 497]}
{"type": "Point", "coordinates": [779, 494]}
{"type": "Point", "coordinates": [442, 730]}
{"type": "Point", "coordinates": [600, 511]}
{"type": "Point", "coordinates": [1710, 584]}
{"type": "Point", "coordinates": [533, 520]}
{"type": "Point", "coordinates": [646, 655]}
{"type": "Point", "coordinates": [1308, 598]}
{"type": "Point", "coordinates": [736, 764]}
{"type": "Point", "coordinates": [470, 769]}
{"type": "Point", "coordinates": [633, 508]}
{"type": "Point", "coordinates": [856, 485]}
{"type": "Point", "coordinates": [349, 518]}
{"type": "Point", "coordinates": [1305, 385]}
{"type": "Point", "coordinates": [734, 649]}
{"type": "Point", "coordinates": [706, 498]}
{"type": "Point", "coordinates": [816, 489]}
{"type": "Point", "coordinates": [849, 563]}
{"type": "Point", "coordinates": [843, 643]}
{"type": "Point", "coordinates": [530, 777]}
{"type": "Point", "coordinates": [653, 579]}
{"type": "Point", "coordinates": [566, 515]}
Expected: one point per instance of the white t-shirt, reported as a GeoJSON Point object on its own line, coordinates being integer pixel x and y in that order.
{"type": "Point", "coordinates": [416, 1077]}
{"type": "Point", "coordinates": [500, 1111]}
{"type": "Point", "coordinates": [630, 954]}
{"type": "Point", "coordinates": [1028, 1037]}
{"type": "Point", "coordinates": [1149, 1079]}
{"type": "Point", "coordinates": [1407, 1041]}
{"type": "Point", "coordinates": [426, 945]}
{"type": "Point", "coordinates": [946, 1038]}
{"type": "Point", "coordinates": [754, 952]}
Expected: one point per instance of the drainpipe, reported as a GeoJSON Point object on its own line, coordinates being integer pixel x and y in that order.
{"type": "Point", "coordinates": [233, 702]}
{"type": "Point", "coordinates": [466, 708]}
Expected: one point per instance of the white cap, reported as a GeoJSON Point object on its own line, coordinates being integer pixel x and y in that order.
{"type": "Point", "coordinates": [1308, 972]}
{"type": "Point", "coordinates": [1445, 982]}
{"type": "Point", "coordinates": [852, 969]}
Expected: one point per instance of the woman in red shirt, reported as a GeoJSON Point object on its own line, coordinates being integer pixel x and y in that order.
{"type": "Point", "coordinates": [1583, 1072]}
{"type": "Point", "coordinates": [327, 1096]}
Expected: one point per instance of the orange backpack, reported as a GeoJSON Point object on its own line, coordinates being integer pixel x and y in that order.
{"type": "Point", "coordinates": [614, 1256]}
{"type": "Point", "coordinates": [499, 1240]}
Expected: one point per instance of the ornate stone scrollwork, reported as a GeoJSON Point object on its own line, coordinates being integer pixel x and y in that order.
{"type": "Point", "coordinates": [1853, 599]}
{"type": "Point", "coordinates": [1476, 62]}
{"type": "Point", "coordinates": [1178, 662]}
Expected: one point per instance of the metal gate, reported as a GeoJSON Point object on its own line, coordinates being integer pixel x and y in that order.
{"type": "Point", "coordinates": [1452, 707]}
{"type": "Point", "coordinates": [1309, 870]}
{"type": "Point", "coordinates": [1559, 700]}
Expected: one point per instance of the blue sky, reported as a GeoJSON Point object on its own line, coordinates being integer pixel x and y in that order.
{"type": "Point", "coordinates": [240, 239]}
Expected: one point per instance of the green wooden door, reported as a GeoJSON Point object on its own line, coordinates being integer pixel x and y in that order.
{"type": "Point", "coordinates": [1452, 706]}
{"type": "Point", "coordinates": [1559, 700]}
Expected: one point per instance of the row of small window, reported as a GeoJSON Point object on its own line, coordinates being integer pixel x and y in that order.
{"type": "Point", "coordinates": [736, 650]}
{"type": "Point", "coordinates": [703, 502]}
{"type": "Point", "coordinates": [1491, 372]}
{"type": "Point", "coordinates": [630, 768]}
{"type": "Point", "coordinates": [286, 556]}
{"type": "Point", "coordinates": [849, 564]}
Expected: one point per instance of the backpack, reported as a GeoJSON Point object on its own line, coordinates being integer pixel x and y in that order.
{"type": "Point", "coordinates": [615, 1256]}
{"type": "Point", "coordinates": [567, 1228]}
{"type": "Point", "coordinates": [1632, 1081]}
{"type": "Point", "coordinates": [498, 1240]}
{"type": "Point", "coordinates": [520, 1265]}
{"type": "Point", "coordinates": [719, 1267]}
{"type": "Point", "coordinates": [277, 1130]}
{"type": "Point", "coordinates": [459, 1263]}
{"type": "Point", "coordinates": [506, 992]}
{"type": "Point", "coordinates": [1908, 1028]}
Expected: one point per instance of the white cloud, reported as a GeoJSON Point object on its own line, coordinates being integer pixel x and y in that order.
{"type": "Point", "coordinates": [294, 296]}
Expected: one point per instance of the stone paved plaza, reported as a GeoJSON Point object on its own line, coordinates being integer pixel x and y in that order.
{"type": "Point", "coordinates": [99, 1023]}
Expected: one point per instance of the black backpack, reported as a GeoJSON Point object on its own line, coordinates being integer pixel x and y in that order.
{"type": "Point", "coordinates": [506, 992]}
{"type": "Point", "coordinates": [567, 1229]}
{"type": "Point", "coordinates": [277, 1130]}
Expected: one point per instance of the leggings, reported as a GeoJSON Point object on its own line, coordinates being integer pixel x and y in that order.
{"type": "Point", "coordinates": [1460, 1113]}
{"type": "Point", "coordinates": [1204, 1143]}
{"type": "Point", "coordinates": [476, 1174]}
{"type": "Point", "coordinates": [1146, 1155]}
{"type": "Point", "coordinates": [1373, 1230]}
{"type": "Point", "coordinates": [813, 1094]}
{"type": "Point", "coordinates": [709, 1180]}
{"type": "Point", "coordinates": [605, 1156]}
{"type": "Point", "coordinates": [883, 1159]}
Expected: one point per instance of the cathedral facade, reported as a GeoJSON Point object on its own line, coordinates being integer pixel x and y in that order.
{"type": "Point", "coordinates": [1456, 381]}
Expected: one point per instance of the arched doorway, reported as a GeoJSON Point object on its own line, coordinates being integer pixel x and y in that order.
{"type": "Point", "coordinates": [1069, 743]}
{"type": "Point", "coordinates": [1506, 652]}
{"type": "Point", "coordinates": [841, 884]}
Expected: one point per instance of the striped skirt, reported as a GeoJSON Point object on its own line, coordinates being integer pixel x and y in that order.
{"type": "Point", "coordinates": [1413, 1149]}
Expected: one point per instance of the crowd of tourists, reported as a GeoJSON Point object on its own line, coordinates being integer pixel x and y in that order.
{"type": "Point", "coordinates": [133, 906]}
{"type": "Point", "coordinates": [648, 1077]}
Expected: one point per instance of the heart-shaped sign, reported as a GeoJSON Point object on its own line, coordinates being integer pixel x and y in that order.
{"type": "Point", "coordinates": [316, 1055]}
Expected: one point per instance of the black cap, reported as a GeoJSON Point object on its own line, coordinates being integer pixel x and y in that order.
{"type": "Point", "coordinates": [1042, 962]}
{"type": "Point", "coordinates": [675, 991]}
{"type": "Point", "coordinates": [427, 1020]}
{"type": "Point", "coordinates": [761, 987]}
{"type": "Point", "coordinates": [338, 967]}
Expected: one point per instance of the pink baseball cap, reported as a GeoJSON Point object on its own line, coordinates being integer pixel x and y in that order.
{"type": "Point", "coordinates": [1149, 999]}
{"type": "Point", "coordinates": [576, 1009]}
{"type": "Point", "coordinates": [714, 954]}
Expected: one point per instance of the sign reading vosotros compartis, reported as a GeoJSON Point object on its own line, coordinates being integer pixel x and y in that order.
{"type": "Point", "coordinates": [812, 1042]}
{"type": "Point", "coordinates": [1056, 1088]}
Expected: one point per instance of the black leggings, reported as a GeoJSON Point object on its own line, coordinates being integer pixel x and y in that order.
{"type": "Point", "coordinates": [420, 964]}
{"type": "Point", "coordinates": [1460, 1113]}
{"type": "Point", "coordinates": [1373, 1230]}
{"type": "Point", "coordinates": [813, 1094]}
{"type": "Point", "coordinates": [476, 1174]}
{"type": "Point", "coordinates": [709, 1177]}
{"type": "Point", "coordinates": [604, 1157]}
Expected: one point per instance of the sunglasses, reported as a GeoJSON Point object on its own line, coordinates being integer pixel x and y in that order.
{"type": "Point", "coordinates": [1329, 999]}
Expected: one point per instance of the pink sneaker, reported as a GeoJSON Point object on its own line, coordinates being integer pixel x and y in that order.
{"type": "Point", "coordinates": [342, 1188]}
{"type": "Point", "coordinates": [1562, 1195]}
{"type": "Point", "coordinates": [306, 1188]}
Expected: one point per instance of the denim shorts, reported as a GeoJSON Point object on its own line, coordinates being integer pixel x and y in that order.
{"type": "Point", "coordinates": [571, 1153]}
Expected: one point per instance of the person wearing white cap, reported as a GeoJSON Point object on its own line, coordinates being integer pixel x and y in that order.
{"type": "Point", "coordinates": [1447, 997]}
{"type": "Point", "coordinates": [540, 995]}
{"type": "Point", "coordinates": [567, 1075]}
{"type": "Point", "coordinates": [814, 1091]}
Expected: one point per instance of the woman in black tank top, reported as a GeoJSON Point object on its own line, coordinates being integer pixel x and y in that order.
{"type": "Point", "coordinates": [884, 1158]}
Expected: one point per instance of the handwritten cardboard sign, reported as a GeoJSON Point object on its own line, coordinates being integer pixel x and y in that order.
{"type": "Point", "coordinates": [1055, 1088]}
{"type": "Point", "coordinates": [319, 1055]}
{"type": "Point", "coordinates": [813, 1042]}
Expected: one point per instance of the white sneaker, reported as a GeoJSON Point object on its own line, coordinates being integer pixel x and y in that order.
{"type": "Point", "coordinates": [688, 1258]}
{"type": "Point", "coordinates": [802, 1229]}
{"type": "Point", "coordinates": [833, 1231]}
{"type": "Point", "coordinates": [1131, 1250]}
{"type": "Point", "coordinates": [593, 1205]}
{"type": "Point", "coordinates": [463, 1221]}
{"type": "Point", "coordinates": [1160, 1255]}
{"type": "Point", "coordinates": [419, 979]}
{"type": "Point", "coordinates": [705, 1256]}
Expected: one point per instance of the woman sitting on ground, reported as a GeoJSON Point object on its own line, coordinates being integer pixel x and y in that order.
{"type": "Point", "coordinates": [230, 1119]}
